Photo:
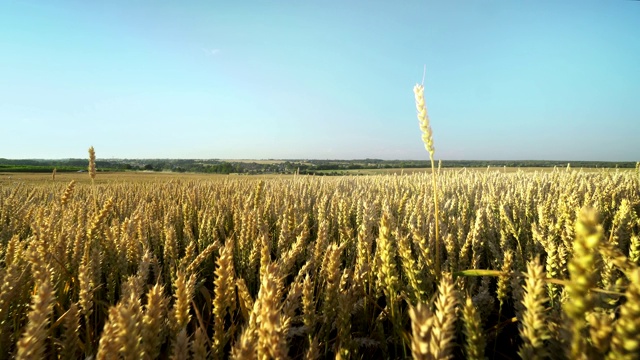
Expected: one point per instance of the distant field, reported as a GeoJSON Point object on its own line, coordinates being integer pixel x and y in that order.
{"type": "Point", "coordinates": [263, 162]}
{"type": "Point", "coordinates": [124, 177]}
{"type": "Point", "coordinates": [249, 161]}
{"type": "Point", "coordinates": [146, 176]}
{"type": "Point", "coordinates": [267, 162]}
{"type": "Point", "coordinates": [111, 177]}
{"type": "Point", "coordinates": [492, 169]}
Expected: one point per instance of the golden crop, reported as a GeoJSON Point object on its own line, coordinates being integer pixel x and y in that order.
{"type": "Point", "coordinates": [315, 267]}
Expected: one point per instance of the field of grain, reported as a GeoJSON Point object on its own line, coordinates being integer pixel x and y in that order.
{"type": "Point", "coordinates": [532, 265]}
{"type": "Point", "coordinates": [401, 171]}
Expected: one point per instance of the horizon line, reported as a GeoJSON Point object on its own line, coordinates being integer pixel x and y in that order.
{"type": "Point", "coordinates": [310, 159]}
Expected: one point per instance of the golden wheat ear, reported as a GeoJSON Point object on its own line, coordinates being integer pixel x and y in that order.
{"type": "Point", "coordinates": [427, 139]}
{"type": "Point", "coordinates": [422, 320]}
{"type": "Point", "coordinates": [533, 328]}
{"type": "Point", "coordinates": [589, 233]}
{"type": "Point", "coordinates": [92, 163]}
{"type": "Point", "coordinates": [33, 342]}
{"type": "Point", "coordinates": [475, 343]}
{"type": "Point", "coordinates": [423, 119]}
{"type": "Point", "coordinates": [625, 342]}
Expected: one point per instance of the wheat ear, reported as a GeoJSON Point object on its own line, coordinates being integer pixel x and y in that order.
{"type": "Point", "coordinates": [625, 343]}
{"type": "Point", "coordinates": [533, 328]}
{"type": "Point", "coordinates": [224, 297]}
{"type": "Point", "coordinates": [444, 322]}
{"type": "Point", "coordinates": [427, 139]}
{"type": "Point", "coordinates": [588, 236]}
{"type": "Point", "coordinates": [475, 344]}
{"type": "Point", "coordinates": [421, 326]}
{"type": "Point", "coordinates": [154, 321]}
{"type": "Point", "coordinates": [271, 337]}
{"type": "Point", "coordinates": [32, 343]}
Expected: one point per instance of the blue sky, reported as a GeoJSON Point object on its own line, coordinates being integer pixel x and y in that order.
{"type": "Point", "coordinates": [543, 79]}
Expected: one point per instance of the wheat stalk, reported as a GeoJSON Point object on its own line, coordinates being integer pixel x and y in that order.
{"type": "Point", "coordinates": [421, 327]}
{"type": "Point", "coordinates": [588, 236]}
{"type": "Point", "coordinates": [92, 163]}
{"type": "Point", "coordinates": [444, 321]}
{"type": "Point", "coordinates": [475, 339]}
{"type": "Point", "coordinates": [32, 343]}
{"type": "Point", "coordinates": [271, 340]}
{"type": "Point", "coordinates": [533, 328]}
{"type": "Point", "coordinates": [427, 139]}
{"type": "Point", "coordinates": [625, 341]}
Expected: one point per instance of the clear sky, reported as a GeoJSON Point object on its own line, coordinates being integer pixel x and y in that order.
{"type": "Point", "coordinates": [543, 79]}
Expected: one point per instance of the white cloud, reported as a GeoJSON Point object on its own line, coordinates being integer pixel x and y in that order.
{"type": "Point", "coordinates": [211, 52]}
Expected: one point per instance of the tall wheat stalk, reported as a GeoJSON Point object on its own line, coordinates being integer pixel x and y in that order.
{"type": "Point", "coordinates": [92, 164]}
{"type": "Point", "coordinates": [32, 343]}
{"type": "Point", "coordinates": [427, 139]}
{"type": "Point", "coordinates": [589, 233]}
{"type": "Point", "coordinates": [92, 174]}
{"type": "Point", "coordinates": [534, 324]}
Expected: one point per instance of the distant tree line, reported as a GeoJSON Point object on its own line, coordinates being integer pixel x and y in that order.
{"type": "Point", "coordinates": [215, 166]}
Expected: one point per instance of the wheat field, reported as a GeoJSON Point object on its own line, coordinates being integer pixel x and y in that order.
{"type": "Point", "coordinates": [533, 265]}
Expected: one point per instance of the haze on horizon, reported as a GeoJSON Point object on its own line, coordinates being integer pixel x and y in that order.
{"type": "Point", "coordinates": [505, 80]}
